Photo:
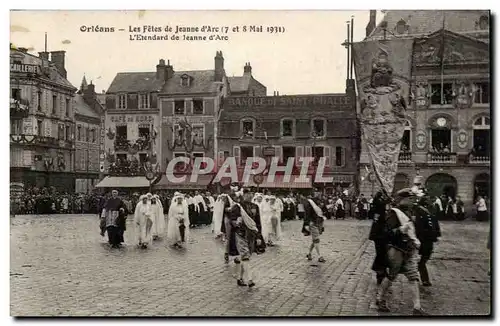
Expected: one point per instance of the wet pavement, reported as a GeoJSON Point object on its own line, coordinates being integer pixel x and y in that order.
{"type": "Point", "coordinates": [61, 266]}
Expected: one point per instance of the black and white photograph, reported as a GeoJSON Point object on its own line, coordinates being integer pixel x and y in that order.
{"type": "Point", "coordinates": [251, 163]}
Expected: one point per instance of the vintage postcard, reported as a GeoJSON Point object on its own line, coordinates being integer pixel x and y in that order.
{"type": "Point", "coordinates": [250, 163]}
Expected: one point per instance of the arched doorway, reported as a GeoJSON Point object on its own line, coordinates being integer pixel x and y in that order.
{"type": "Point", "coordinates": [441, 184]}
{"type": "Point", "coordinates": [401, 181]}
{"type": "Point", "coordinates": [482, 185]}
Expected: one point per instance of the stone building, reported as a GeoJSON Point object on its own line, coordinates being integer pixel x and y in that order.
{"type": "Point", "coordinates": [246, 85]}
{"type": "Point", "coordinates": [315, 125]}
{"type": "Point", "coordinates": [189, 102]}
{"type": "Point", "coordinates": [447, 138]}
{"type": "Point", "coordinates": [88, 113]}
{"type": "Point", "coordinates": [131, 128]}
{"type": "Point", "coordinates": [42, 120]}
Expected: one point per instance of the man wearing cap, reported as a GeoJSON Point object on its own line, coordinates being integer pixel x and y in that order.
{"type": "Point", "coordinates": [114, 212]}
{"type": "Point", "coordinates": [313, 224]}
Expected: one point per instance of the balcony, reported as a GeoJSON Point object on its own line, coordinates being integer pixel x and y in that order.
{"type": "Point", "coordinates": [404, 157]}
{"type": "Point", "coordinates": [126, 169]}
{"type": "Point", "coordinates": [121, 145]}
{"type": "Point", "coordinates": [441, 158]}
{"type": "Point", "coordinates": [479, 159]}
{"type": "Point", "coordinates": [35, 140]}
{"type": "Point", "coordinates": [19, 108]}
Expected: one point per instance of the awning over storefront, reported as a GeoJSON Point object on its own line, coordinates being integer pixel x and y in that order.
{"type": "Point", "coordinates": [339, 178]}
{"type": "Point", "coordinates": [202, 183]}
{"type": "Point", "coordinates": [280, 183]}
{"type": "Point", "coordinates": [123, 182]}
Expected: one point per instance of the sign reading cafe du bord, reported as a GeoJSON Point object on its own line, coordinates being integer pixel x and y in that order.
{"type": "Point", "coordinates": [131, 118]}
{"type": "Point", "coordinates": [299, 100]}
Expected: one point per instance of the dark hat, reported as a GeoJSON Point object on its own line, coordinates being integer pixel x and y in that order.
{"type": "Point", "coordinates": [246, 191]}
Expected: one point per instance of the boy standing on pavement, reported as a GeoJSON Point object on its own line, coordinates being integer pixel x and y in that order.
{"type": "Point", "coordinates": [313, 224]}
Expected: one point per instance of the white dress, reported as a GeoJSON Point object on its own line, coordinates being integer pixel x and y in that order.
{"type": "Point", "coordinates": [158, 219]}
{"type": "Point", "coordinates": [143, 222]}
{"type": "Point", "coordinates": [177, 214]}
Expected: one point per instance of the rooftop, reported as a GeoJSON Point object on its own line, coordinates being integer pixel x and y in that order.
{"type": "Point", "coordinates": [82, 108]}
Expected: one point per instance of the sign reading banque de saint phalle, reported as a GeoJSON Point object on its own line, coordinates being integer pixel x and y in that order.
{"type": "Point", "coordinates": [382, 77]}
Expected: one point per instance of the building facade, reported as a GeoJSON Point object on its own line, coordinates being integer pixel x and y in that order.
{"type": "Point", "coordinates": [88, 113]}
{"type": "Point", "coordinates": [447, 136]}
{"type": "Point", "coordinates": [322, 125]}
{"type": "Point", "coordinates": [246, 85]}
{"type": "Point", "coordinates": [42, 120]}
{"type": "Point", "coordinates": [131, 123]}
{"type": "Point", "coordinates": [190, 102]}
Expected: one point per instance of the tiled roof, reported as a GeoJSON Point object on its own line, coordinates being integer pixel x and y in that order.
{"type": "Point", "coordinates": [429, 21]}
{"type": "Point", "coordinates": [82, 108]}
{"type": "Point", "coordinates": [130, 82]}
{"type": "Point", "coordinates": [202, 81]}
{"type": "Point", "coordinates": [239, 84]}
{"type": "Point", "coordinates": [101, 98]}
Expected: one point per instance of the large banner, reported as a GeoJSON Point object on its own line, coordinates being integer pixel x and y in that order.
{"type": "Point", "coordinates": [383, 69]}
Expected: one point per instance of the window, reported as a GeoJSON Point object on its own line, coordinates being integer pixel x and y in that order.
{"type": "Point", "coordinates": [483, 22]}
{"type": "Point", "coordinates": [15, 93]}
{"type": "Point", "coordinates": [79, 133]}
{"type": "Point", "coordinates": [93, 135]}
{"type": "Point", "coordinates": [54, 104]}
{"type": "Point", "coordinates": [441, 140]}
{"type": "Point", "coordinates": [39, 100]}
{"type": "Point", "coordinates": [197, 133]}
{"type": "Point", "coordinates": [60, 132]}
{"type": "Point", "coordinates": [16, 127]}
{"type": "Point", "coordinates": [142, 158]}
{"type": "Point", "coordinates": [482, 93]}
{"type": "Point", "coordinates": [247, 128]}
{"type": "Point", "coordinates": [121, 132]}
{"type": "Point", "coordinates": [338, 156]}
{"type": "Point", "coordinates": [121, 158]}
{"type": "Point", "coordinates": [246, 152]}
{"type": "Point", "coordinates": [67, 107]}
{"type": "Point", "coordinates": [185, 80]}
{"type": "Point", "coordinates": [68, 133]}
{"type": "Point", "coordinates": [288, 152]}
{"type": "Point", "coordinates": [121, 101]}
{"type": "Point", "coordinates": [179, 108]}
{"type": "Point", "coordinates": [144, 137]}
{"type": "Point", "coordinates": [180, 165]}
{"type": "Point", "coordinates": [481, 137]}
{"type": "Point", "coordinates": [318, 128]}
{"type": "Point", "coordinates": [87, 134]}
{"type": "Point", "coordinates": [287, 128]}
{"type": "Point", "coordinates": [197, 106]}
{"type": "Point", "coordinates": [401, 27]}
{"type": "Point", "coordinates": [441, 96]}
{"type": "Point", "coordinates": [406, 142]}
{"type": "Point", "coordinates": [144, 101]}
{"type": "Point", "coordinates": [39, 127]}
{"type": "Point", "coordinates": [317, 152]}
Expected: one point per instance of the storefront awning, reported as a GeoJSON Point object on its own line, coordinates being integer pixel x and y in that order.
{"type": "Point", "coordinates": [123, 182]}
{"type": "Point", "coordinates": [202, 183]}
{"type": "Point", "coordinates": [280, 183]}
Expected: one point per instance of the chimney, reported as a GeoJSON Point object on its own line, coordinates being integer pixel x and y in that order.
{"type": "Point", "coordinates": [372, 23]}
{"type": "Point", "coordinates": [219, 66]}
{"type": "Point", "coordinates": [169, 71]}
{"type": "Point", "coordinates": [160, 70]}
{"type": "Point", "coordinates": [89, 94]}
{"type": "Point", "coordinates": [247, 70]}
{"type": "Point", "coordinates": [57, 57]}
{"type": "Point", "coordinates": [43, 55]}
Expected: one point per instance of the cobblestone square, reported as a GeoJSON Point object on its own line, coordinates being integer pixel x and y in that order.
{"type": "Point", "coordinates": [60, 266]}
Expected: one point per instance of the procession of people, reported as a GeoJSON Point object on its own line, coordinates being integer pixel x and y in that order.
{"type": "Point", "coordinates": [404, 229]}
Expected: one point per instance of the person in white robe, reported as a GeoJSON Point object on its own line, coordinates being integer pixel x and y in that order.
{"type": "Point", "coordinates": [143, 221]}
{"type": "Point", "coordinates": [178, 221]}
{"type": "Point", "coordinates": [271, 220]}
{"type": "Point", "coordinates": [218, 217]}
{"type": "Point", "coordinates": [158, 229]}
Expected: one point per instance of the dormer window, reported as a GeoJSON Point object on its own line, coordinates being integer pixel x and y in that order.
{"type": "Point", "coordinates": [401, 27]}
{"type": "Point", "coordinates": [185, 80]}
{"type": "Point", "coordinates": [144, 101]}
{"type": "Point", "coordinates": [483, 22]}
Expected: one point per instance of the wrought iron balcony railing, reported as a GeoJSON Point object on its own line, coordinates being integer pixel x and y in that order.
{"type": "Point", "coordinates": [36, 140]}
{"type": "Point", "coordinates": [478, 158]}
{"type": "Point", "coordinates": [439, 158]}
{"type": "Point", "coordinates": [404, 157]}
{"type": "Point", "coordinates": [128, 169]}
